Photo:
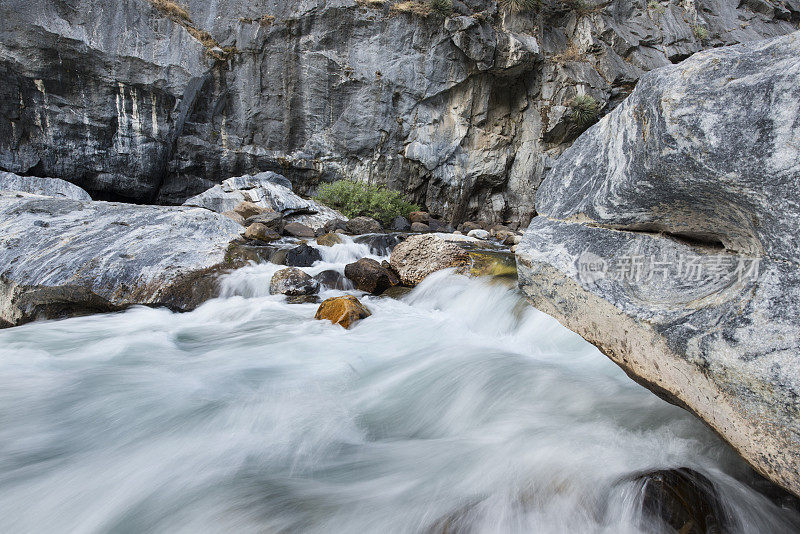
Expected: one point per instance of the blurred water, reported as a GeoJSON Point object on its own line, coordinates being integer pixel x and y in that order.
{"type": "Point", "coordinates": [457, 405]}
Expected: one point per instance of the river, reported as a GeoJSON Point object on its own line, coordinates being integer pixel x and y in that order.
{"type": "Point", "coordinates": [457, 408]}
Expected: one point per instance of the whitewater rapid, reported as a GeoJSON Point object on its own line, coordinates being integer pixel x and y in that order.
{"type": "Point", "coordinates": [456, 405]}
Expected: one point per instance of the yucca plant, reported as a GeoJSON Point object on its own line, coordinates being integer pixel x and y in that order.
{"type": "Point", "coordinates": [585, 110]}
{"type": "Point", "coordinates": [520, 5]}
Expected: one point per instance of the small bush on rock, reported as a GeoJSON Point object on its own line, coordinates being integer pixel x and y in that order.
{"type": "Point", "coordinates": [356, 199]}
{"type": "Point", "coordinates": [442, 7]}
{"type": "Point", "coordinates": [171, 9]}
{"type": "Point", "coordinates": [411, 7]}
{"type": "Point", "coordinates": [701, 32]}
{"type": "Point", "coordinates": [585, 110]}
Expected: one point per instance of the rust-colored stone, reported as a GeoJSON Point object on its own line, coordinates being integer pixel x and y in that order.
{"type": "Point", "coordinates": [344, 311]}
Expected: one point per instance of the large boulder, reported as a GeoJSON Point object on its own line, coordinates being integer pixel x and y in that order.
{"type": "Point", "coordinates": [667, 237]}
{"type": "Point", "coordinates": [370, 276]}
{"type": "Point", "coordinates": [363, 225]}
{"type": "Point", "coordinates": [268, 191]}
{"type": "Point", "coordinates": [420, 255]}
{"type": "Point", "coordinates": [63, 257]}
{"type": "Point", "coordinates": [49, 187]}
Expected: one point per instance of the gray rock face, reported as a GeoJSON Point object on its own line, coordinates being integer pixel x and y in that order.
{"type": "Point", "coordinates": [49, 187]}
{"type": "Point", "coordinates": [464, 114]}
{"type": "Point", "coordinates": [61, 257]}
{"type": "Point", "coordinates": [667, 236]}
{"type": "Point", "coordinates": [265, 190]}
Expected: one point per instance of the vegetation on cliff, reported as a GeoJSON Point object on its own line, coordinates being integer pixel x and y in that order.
{"type": "Point", "coordinates": [356, 199]}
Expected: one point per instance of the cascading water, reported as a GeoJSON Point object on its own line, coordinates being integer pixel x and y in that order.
{"type": "Point", "coordinates": [455, 409]}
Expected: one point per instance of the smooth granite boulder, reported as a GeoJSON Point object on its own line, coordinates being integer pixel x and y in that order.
{"type": "Point", "coordinates": [61, 257]}
{"type": "Point", "coordinates": [667, 236]}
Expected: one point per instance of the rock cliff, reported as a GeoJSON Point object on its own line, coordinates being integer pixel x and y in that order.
{"type": "Point", "coordinates": [667, 236]}
{"type": "Point", "coordinates": [146, 101]}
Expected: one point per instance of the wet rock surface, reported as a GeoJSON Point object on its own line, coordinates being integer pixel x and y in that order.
{"type": "Point", "coordinates": [301, 256]}
{"type": "Point", "coordinates": [292, 282]}
{"type": "Point", "coordinates": [370, 276]}
{"type": "Point", "coordinates": [344, 311]}
{"type": "Point", "coordinates": [683, 501]}
{"type": "Point", "coordinates": [661, 242]}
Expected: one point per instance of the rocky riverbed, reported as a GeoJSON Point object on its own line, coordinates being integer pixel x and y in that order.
{"type": "Point", "coordinates": [165, 169]}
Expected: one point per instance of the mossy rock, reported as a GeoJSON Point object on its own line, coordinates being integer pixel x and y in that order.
{"type": "Point", "coordinates": [494, 264]}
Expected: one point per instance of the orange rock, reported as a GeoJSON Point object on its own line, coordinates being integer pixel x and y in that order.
{"type": "Point", "coordinates": [345, 311]}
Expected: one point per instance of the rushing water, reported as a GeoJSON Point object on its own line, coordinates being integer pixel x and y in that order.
{"type": "Point", "coordinates": [455, 409]}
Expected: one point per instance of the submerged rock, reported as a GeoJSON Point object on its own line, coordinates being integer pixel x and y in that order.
{"type": "Point", "coordinates": [292, 282]}
{"type": "Point", "coordinates": [370, 276]}
{"type": "Point", "coordinates": [50, 187]}
{"type": "Point", "coordinates": [333, 280]}
{"type": "Point", "coordinates": [101, 256]}
{"type": "Point", "coordinates": [668, 238]}
{"type": "Point", "coordinates": [681, 499]}
{"type": "Point", "coordinates": [379, 244]}
{"type": "Point", "coordinates": [420, 255]}
{"type": "Point", "coordinates": [344, 311]}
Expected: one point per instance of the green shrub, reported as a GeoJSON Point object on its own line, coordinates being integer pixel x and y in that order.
{"type": "Point", "coordinates": [354, 199]}
{"type": "Point", "coordinates": [585, 110]}
{"type": "Point", "coordinates": [442, 7]}
{"type": "Point", "coordinates": [701, 32]}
